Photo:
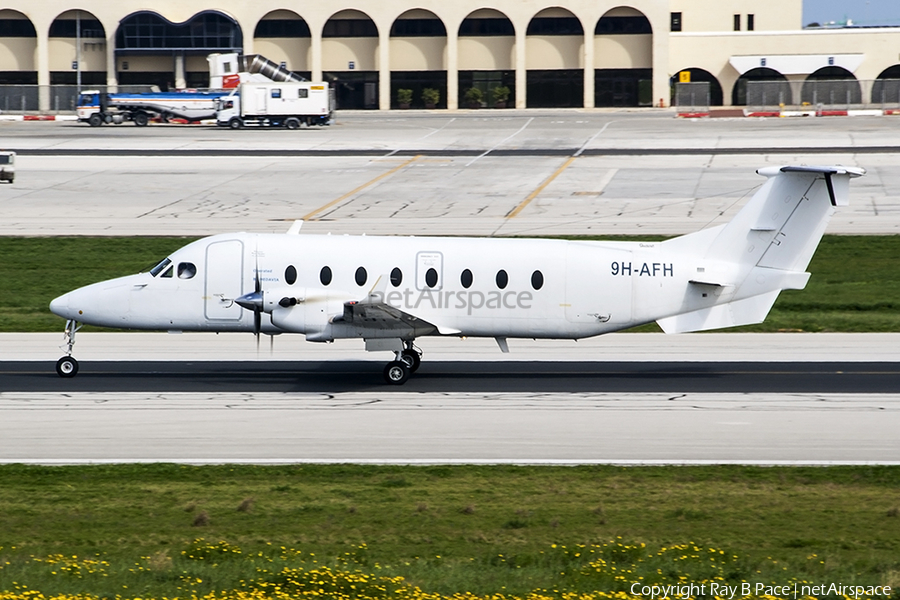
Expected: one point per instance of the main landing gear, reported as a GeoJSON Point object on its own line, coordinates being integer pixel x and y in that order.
{"type": "Point", "coordinates": [407, 362]}
{"type": "Point", "coordinates": [67, 366]}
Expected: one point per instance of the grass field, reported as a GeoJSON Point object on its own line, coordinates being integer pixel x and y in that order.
{"type": "Point", "coordinates": [855, 284]}
{"type": "Point", "coordinates": [159, 531]}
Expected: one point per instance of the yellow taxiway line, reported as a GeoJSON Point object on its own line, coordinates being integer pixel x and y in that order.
{"type": "Point", "coordinates": [539, 189]}
{"type": "Point", "coordinates": [309, 216]}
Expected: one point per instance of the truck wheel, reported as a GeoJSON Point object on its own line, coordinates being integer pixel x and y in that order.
{"type": "Point", "coordinates": [235, 123]}
{"type": "Point", "coordinates": [95, 120]}
{"type": "Point", "coordinates": [292, 123]}
{"type": "Point", "coordinates": [140, 119]}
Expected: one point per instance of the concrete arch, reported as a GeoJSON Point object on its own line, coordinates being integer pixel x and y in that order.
{"type": "Point", "coordinates": [283, 36]}
{"type": "Point", "coordinates": [18, 45]}
{"type": "Point", "coordinates": [554, 58]}
{"type": "Point", "coordinates": [623, 58]}
{"type": "Point", "coordinates": [153, 50]}
{"type": "Point", "coordinates": [487, 56]}
{"type": "Point", "coordinates": [418, 50]}
{"type": "Point", "coordinates": [64, 33]}
{"type": "Point", "coordinates": [776, 91]}
{"type": "Point", "coordinates": [701, 76]}
{"type": "Point", "coordinates": [886, 88]}
{"type": "Point", "coordinates": [350, 58]}
{"type": "Point", "coordinates": [831, 86]}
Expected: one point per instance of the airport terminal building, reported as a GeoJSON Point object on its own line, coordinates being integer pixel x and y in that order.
{"type": "Point", "coordinates": [547, 53]}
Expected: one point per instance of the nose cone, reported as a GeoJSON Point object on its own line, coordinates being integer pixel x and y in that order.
{"type": "Point", "coordinates": [60, 306]}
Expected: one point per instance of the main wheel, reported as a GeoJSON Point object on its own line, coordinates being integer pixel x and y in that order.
{"type": "Point", "coordinates": [141, 119]}
{"type": "Point", "coordinates": [292, 123]}
{"type": "Point", "coordinates": [67, 367]}
{"type": "Point", "coordinates": [396, 372]}
{"type": "Point", "coordinates": [235, 123]}
{"type": "Point", "coordinates": [412, 359]}
{"type": "Point", "coordinates": [95, 120]}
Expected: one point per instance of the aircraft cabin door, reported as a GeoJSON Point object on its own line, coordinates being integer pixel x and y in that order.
{"type": "Point", "coordinates": [224, 280]}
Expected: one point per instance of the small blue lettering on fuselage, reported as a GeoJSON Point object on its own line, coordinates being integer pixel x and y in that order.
{"type": "Point", "coordinates": [628, 269]}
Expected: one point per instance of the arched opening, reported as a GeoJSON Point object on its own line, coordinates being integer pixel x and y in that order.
{"type": "Point", "coordinates": [623, 59]}
{"type": "Point", "coordinates": [487, 48]}
{"type": "Point", "coordinates": [283, 36]}
{"type": "Point", "coordinates": [886, 88]}
{"type": "Point", "coordinates": [831, 86]}
{"type": "Point", "coordinates": [554, 42]}
{"type": "Point", "coordinates": [90, 57]}
{"type": "Point", "coordinates": [418, 58]}
{"type": "Point", "coordinates": [761, 86]}
{"type": "Point", "coordinates": [18, 46]}
{"type": "Point", "coordinates": [349, 50]}
{"type": "Point", "coordinates": [151, 50]}
{"type": "Point", "coordinates": [699, 76]}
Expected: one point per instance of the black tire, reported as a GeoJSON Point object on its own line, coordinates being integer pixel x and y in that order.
{"type": "Point", "coordinates": [292, 123]}
{"type": "Point", "coordinates": [235, 123]}
{"type": "Point", "coordinates": [140, 119]}
{"type": "Point", "coordinates": [413, 359]}
{"type": "Point", "coordinates": [95, 120]}
{"type": "Point", "coordinates": [396, 372]}
{"type": "Point", "coordinates": [67, 367]}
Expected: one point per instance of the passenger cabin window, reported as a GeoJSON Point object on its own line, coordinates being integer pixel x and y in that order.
{"type": "Point", "coordinates": [396, 277]}
{"type": "Point", "coordinates": [186, 270]}
{"type": "Point", "coordinates": [325, 275]}
{"type": "Point", "coordinates": [431, 277]}
{"type": "Point", "coordinates": [502, 279]}
{"type": "Point", "coordinates": [537, 280]}
{"type": "Point", "coordinates": [465, 278]}
{"type": "Point", "coordinates": [290, 274]}
{"type": "Point", "coordinates": [162, 265]}
{"type": "Point", "coordinates": [361, 276]}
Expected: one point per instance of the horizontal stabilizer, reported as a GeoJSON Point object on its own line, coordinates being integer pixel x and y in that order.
{"type": "Point", "coordinates": [739, 312]}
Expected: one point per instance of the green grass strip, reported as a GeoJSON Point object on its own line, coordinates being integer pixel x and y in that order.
{"type": "Point", "coordinates": [346, 531]}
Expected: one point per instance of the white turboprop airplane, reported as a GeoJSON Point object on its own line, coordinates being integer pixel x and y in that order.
{"type": "Point", "coordinates": [391, 290]}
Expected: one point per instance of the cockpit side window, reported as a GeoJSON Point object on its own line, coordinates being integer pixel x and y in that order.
{"type": "Point", "coordinates": [167, 274]}
{"type": "Point", "coordinates": [186, 270]}
{"type": "Point", "coordinates": [162, 265]}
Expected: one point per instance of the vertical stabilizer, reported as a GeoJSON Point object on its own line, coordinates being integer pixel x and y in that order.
{"type": "Point", "coordinates": [766, 248]}
{"type": "Point", "coordinates": [783, 223]}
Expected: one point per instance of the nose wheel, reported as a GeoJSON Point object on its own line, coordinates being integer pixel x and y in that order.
{"type": "Point", "coordinates": [67, 366]}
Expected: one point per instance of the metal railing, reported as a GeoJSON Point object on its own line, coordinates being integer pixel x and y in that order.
{"type": "Point", "coordinates": [692, 97]}
{"type": "Point", "coordinates": [823, 94]}
{"type": "Point", "coordinates": [52, 99]}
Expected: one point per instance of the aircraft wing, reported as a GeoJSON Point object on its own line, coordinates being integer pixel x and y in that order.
{"type": "Point", "coordinates": [374, 314]}
{"type": "Point", "coordinates": [384, 317]}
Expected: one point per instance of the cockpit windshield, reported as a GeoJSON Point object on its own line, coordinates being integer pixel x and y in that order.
{"type": "Point", "coordinates": [162, 265]}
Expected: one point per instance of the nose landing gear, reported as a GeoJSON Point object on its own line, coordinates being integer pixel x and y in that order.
{"type": "Point", "coordinates": [67, 366]}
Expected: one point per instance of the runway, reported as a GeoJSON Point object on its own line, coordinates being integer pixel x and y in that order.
{"type": "Point", "coordinates": [439, 377]}
{"type": "Point", "coordinates": [622, 398]}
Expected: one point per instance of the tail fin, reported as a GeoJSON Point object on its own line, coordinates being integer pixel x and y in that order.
{"type": "Point", "coordinates": [766, 248]}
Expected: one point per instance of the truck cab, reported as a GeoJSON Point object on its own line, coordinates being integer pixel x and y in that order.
{"type": "Point", "coordinates": [91, 107]}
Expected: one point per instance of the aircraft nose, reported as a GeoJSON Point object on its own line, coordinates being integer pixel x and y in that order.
{"type": "Point", "coordinates": [60, 306]}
